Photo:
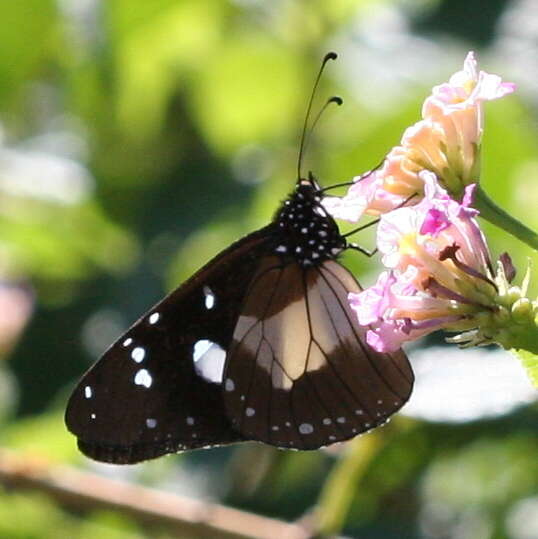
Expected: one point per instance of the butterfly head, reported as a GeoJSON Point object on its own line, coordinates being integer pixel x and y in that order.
{"type": "Point", "coordinates": [305, 231]}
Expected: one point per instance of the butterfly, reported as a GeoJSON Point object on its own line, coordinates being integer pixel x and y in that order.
{"type": "Point", "coordinates": [259, 344]}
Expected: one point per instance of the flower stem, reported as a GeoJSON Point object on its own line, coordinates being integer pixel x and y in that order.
{"type": "Point", "coordinates": [500, 218]}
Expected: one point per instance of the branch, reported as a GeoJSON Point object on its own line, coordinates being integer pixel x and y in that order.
{"type": "Point", "coordinates": [78, 490]}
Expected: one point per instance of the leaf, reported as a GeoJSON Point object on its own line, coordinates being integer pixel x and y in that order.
{"type": "Point", "coordinates": [530, 362]}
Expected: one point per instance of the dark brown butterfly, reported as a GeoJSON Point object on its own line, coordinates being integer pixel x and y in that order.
{"type": "Point", "coordinates": [260, 344]}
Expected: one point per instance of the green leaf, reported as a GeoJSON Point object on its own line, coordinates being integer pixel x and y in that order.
{"type": "Point", "coordinates": [530, 362]}
{"type": "Point", "coordinates": [43, 435]}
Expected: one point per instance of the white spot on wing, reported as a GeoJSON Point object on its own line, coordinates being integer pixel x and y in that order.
{"type": "Point", "coordinates": [249, 412]}
{"type": "Point", "coordinates": [281, 249]}
{"type": "Point", "coordinates": [209, 298]}
{"type": "Point", "coordinates": [88, 392]}
{"type": "Point", "coordinates": [327, 421]}
{"type": "Point", "coordinates": [190, 420]}
{"type": "Point", "coordinates": [341, 419]}
{"type": "Point", "coordinates": [154, 318]}
{"type": "Point", "coordinates": [151, 423]}
{"type": "Point", "coordinates": [138, 354]}
{"type": "Point", "coordinates": [127, 341]}
{"type": "Point", "coordinates": [209, 360]}
{"type": "Point", "coordinates": [200, 348]}
{"type": "Point", "coordinates": [143, 378]}
{"type": "Point", "coordinates": [229, 384]}
{"type": "Point", "coordinates": [306, 428]}
{"type": "Point", "coordinates": [93, 416]}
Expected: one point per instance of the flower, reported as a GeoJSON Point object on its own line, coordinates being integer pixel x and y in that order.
{"type": "Point", "coordinates": [446, 141]}
{"type": "Point", "coordinates": [439, 275]}
{"type": "Point", "coordinates": [16, 306]}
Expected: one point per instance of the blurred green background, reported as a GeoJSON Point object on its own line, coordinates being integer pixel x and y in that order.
{"type": "Point", "coordinates": [137, 139]}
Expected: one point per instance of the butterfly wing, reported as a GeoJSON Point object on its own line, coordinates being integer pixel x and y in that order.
{"type": "Point", "coordinates": [146, 396]}
{"type": "Point", "coordinates": [300, 373]}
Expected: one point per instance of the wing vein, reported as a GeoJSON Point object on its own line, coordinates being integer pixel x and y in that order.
{"type": "Point", "coordinates": [359, 339]}
{"type": "Point", "coordinates": [393, 361]}
{"type": "Point", "coordinates": [307, 374]}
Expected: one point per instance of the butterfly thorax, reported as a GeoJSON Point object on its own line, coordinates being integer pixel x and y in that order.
{"type": "Point", "coordinates": [305, 231]}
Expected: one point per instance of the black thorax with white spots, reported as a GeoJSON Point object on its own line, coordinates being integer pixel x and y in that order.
{"type": "Point", "coordinates": [305, 231]}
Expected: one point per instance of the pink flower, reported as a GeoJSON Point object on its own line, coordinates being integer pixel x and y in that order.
{"type": "Point", "coordinates": [16, 306]}
{"type": "Point", "coordinates": [439, 271]}
{"type": "Point", "coordinates": [446, 141]}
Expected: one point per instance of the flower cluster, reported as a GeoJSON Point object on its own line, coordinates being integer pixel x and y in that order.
{"type": "Point", "coordinates": [439, 272]}
{"type": "Point", "coordinates": [446, 142]}
{"type": "Point", "coordinates": [439, 275]}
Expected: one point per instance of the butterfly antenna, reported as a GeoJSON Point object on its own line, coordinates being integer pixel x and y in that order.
{"type": "Point", "coordinates": [335, 99]}
{"type": "Point", "coordinates": [327, 57]}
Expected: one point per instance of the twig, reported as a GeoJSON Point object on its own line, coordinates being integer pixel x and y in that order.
{"type": "Point", "coordinates": [83, 491]}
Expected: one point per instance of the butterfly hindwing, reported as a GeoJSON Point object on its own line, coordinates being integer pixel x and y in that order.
{"type": "Point", "coordinates": [145, 397]}
{"type": "Point", "coordinates": [299, 372]}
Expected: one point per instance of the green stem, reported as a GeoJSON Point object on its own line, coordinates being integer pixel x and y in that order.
{"type": "Point", "coordinates": [339, 488]}
{"type": "Point", "coordinates": [500, 218]}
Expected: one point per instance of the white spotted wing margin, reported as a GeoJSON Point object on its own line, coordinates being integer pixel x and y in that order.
{"type": "Point", "coordinates": [144, 397]}
{"type": "Point", "coordinates": [300, 374]}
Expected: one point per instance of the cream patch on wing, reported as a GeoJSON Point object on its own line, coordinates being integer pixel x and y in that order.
{"type": "Point", "coordinates": [251, 341]}
{"type": "Point", "coordinates": [323, 328]}
{"type": "Point", "coordinates": [289, 335]}
{"type": "Point", "coordinates": [280, 379]}
{"type": "Point", "coordinates": [243, 326]}
{"type": "Point", "coordinates": [316, 359]}
{"type": "Point", "coordinates": [276, 321]}
{"type": "Point", "coordinates": [340, 314]}
{"type": "Point", "coordinates": [265, 356]}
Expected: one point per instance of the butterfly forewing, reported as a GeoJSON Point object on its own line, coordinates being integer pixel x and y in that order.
{"type": "Point", "coordinates": [299, 373]}
{"type": "Point", "coordinates": [147, 395]}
